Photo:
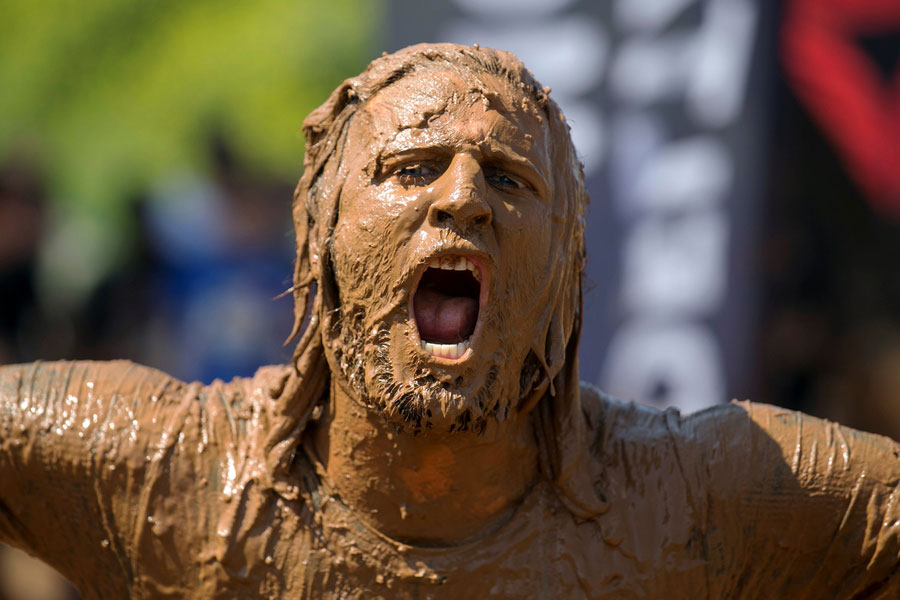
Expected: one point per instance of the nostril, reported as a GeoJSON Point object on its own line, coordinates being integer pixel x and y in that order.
{"type": "Point", "coordinates": [481, 221]}
{"type": "Point", "coordinates": [443, 216]}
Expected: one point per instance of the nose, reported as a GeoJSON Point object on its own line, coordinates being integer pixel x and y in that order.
{"type": "Point", "coordinates": [460, 196]}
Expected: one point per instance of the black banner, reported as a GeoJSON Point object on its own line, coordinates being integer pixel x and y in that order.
{"type": "Point", "coordinates": [666, 100]}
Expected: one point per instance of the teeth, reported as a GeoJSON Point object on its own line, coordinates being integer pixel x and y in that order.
{"type": "Point", "coordinates": [451, 351]}
{"type": "Point", "coordinates": [456, 263]}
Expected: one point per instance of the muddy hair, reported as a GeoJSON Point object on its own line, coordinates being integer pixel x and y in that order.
{"type": "Point", "coordinates": [555, 396]}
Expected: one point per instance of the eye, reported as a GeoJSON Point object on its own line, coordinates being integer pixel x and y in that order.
{"type": "Point", "coordinates": [416, 174]}
{"type": "Point", "coordinates": [503, 180]}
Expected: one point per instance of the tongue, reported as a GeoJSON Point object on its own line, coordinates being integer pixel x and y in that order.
{"type": "Point", "coordinates": [444, 319]}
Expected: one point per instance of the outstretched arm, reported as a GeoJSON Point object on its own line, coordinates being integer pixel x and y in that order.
{"type": "Point", "coordinates": [816, 505]}
{"type": "Point", "coordinates": [81, 446]}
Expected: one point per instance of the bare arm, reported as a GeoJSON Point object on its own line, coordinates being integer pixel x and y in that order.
{"type": "Point", "coordinates": [812, 507]}
{"type": "Point", "coordinates": [747, 501]}
{"type": "Point", "coordinates": [85, 452]}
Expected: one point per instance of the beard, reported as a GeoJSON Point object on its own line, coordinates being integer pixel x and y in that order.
{"type": "Point", "coordinates": [424, 401]}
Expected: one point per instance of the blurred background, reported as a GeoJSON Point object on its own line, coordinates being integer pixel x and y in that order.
{"type": "Point", "coordinates": [743, 159]}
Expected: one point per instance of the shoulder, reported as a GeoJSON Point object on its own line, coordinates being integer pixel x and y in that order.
{"type": "Point", "coordinates": [760, 452]}
{"type": "Point", "coordinates": [738, 423]}
{"type": "Point", "coordinates": [774, 494]}
{"type": "Point", "coordinates": [127, 409]}
{"type": "Point", "coordinates": [735, 446]}
{"type": "Point", "coordinates": [617, 420]}
{"type": "Point", "coordinates": [95, 377]}
{"type": "Point", "coordinates": [825, 455]}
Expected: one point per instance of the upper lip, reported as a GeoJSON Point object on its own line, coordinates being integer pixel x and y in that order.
{"type": "Point", "coordinates": [480, 258]}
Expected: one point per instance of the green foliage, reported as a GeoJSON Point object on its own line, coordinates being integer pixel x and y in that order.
{"type": "Point", "coordinates": [108, 96]}
{"type": "Point", "coordinates": [111, 94]}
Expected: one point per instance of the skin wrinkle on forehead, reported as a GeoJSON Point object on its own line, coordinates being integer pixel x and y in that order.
{"type": "Point", "coordinates": [409, 129]}
{"type": "Point", "coordinates": [418, 142]}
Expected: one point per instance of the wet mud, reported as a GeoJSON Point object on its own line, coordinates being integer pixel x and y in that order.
{"type": "Point", "coordinates": [431, 438]}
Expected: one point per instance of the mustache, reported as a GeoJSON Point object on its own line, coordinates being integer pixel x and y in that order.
{"type": "Point", "coordinates": [447, 241]}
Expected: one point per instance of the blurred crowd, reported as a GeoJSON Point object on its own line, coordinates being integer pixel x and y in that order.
{"type": "Point", "coordinates": [195, 294]}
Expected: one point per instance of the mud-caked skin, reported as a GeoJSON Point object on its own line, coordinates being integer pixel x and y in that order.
{"type": "Point", "coordinates": [135, 485]}
{"type": "Point", "coordinates": [431, 438]}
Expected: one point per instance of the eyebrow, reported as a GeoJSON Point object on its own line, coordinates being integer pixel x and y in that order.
{"type": "Point", "coordinates": [393, 149]}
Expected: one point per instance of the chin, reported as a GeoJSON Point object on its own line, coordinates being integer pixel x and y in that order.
{"type": "Point", "coordinates": [440, 358]}
{"type": "Point", "coordinates": [415, 396]}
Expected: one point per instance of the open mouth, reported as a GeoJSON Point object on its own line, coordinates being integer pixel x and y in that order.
{"type": "Point", "coordinates": [446, 304]}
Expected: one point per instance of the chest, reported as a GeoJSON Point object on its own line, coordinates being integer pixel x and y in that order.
{"type": "Point", "coordinates": [541, 553]}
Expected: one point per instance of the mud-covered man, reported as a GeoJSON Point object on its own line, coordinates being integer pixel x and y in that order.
{"type": "Point", "coordinates": [431, 438]}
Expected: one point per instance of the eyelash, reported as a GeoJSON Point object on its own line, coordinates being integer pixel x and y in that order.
{"type": "Point", "coordinates": [427, 174]}
{"type": "Point", "coordinates": [418, 178]}
{"type": "Point", "coordinates": [513, 181]}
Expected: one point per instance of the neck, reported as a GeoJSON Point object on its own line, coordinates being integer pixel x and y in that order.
{"type": "Point", "coordinates": [434, 488]}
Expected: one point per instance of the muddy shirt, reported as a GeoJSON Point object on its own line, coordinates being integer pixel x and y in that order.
{"type": "Point", "coordinates": [136, 485]}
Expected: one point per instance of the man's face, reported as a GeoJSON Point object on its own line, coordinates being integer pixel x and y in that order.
{"type": "Point", "coordinates": [444, 251]}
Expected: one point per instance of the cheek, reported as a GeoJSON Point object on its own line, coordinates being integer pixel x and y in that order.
{"type": "Point", "coordinates": [370, 243]}
{"type": "Point", "coordinates": [534, 252]}
{"type": "Point", "coordinates": [383, 213]}
{"type": "Point", "coordinates": [526, 239]}
{"type": "Point", "coordinates": [361, 265]}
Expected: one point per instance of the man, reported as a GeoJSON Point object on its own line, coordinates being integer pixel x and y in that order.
{"type": "Point", "coordinates": [431, 439]}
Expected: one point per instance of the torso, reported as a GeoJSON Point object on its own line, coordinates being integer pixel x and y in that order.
{"type": "Point", "coordinates": [177, 499]}
{"type": "Point", "coordinates": [314, 547]}
{"type": "Point", "coordinates": [318, 549]}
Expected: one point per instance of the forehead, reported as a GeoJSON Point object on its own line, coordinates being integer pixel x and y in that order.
{"type": "Point", "coordinates": [444, 108]}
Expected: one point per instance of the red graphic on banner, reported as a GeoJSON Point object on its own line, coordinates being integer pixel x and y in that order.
{"type": "Point", "coordinates": [842, 88]}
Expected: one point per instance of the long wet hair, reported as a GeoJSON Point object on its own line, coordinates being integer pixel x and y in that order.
{"type": "Point", "coordinates": [555, 397]}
